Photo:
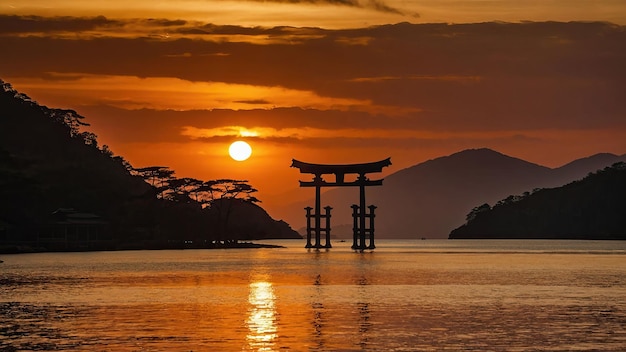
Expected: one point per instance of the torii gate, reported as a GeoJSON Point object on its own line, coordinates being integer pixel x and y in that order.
{"type": "Point", "coordinates": [359, 212]}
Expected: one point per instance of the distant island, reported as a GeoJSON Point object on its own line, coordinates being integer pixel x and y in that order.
{"type": "Point", "coordinates": [593, 208]}
{"type": "Point", "coordinates": [61, 191]}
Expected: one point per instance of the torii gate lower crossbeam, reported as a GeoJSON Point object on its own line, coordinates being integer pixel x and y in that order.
{"type": "Point", "coordinates": [340, 170]}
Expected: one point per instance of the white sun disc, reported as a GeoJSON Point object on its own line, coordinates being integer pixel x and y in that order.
{"type": "Point", "coordinates": [240, 150]}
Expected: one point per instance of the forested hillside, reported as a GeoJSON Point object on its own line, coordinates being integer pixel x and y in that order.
{"type": "Point", "coordinates": [59, 188]}
{"type": "Point", "coordinates": [592, 208]}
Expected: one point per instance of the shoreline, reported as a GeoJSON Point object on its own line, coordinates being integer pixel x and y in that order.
{"type": "Point", "coordinates": [24, 249]}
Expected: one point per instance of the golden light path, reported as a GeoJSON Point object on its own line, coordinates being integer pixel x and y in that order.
{"type": "Point", "coordinates": [262, 316]}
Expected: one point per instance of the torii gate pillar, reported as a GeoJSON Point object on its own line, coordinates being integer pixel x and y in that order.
{"type": "Point", "coordinates": [360, 230]}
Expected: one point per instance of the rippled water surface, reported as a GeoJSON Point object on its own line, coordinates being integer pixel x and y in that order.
{"type": "Point", "coordinates": [403, 296]}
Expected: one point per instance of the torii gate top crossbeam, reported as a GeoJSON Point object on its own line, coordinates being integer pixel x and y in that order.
{"type": "Point", "coordinates": [340, 170]}
{"type": "Point", "coordinates": [321, 169]}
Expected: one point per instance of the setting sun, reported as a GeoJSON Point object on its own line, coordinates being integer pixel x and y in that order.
{"type": "Point", "coordinates": [240, 150]}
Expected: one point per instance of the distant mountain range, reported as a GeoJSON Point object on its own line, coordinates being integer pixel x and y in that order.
{"type": "Point", "coordinates": [432, 198]}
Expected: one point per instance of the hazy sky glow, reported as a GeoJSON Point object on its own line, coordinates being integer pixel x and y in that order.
{"type": "Point", "coordinates": [175, 82]}
{"type": "Point", "coordinates": [330, 13]}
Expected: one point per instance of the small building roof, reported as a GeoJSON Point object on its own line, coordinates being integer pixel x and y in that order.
{"type": "Point", "coordinates": [71, 216]}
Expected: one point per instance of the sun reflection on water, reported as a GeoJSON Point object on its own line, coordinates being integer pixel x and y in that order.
{"type": "Point", "coordinates": [261, 316]}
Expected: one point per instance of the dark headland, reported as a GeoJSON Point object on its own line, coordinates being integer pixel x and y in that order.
{"type": "Point", "coordinates": [593, 208]}
{"type": "Point", "coordinates": [62, 191]}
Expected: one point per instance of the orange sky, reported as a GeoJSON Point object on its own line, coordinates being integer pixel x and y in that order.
{"type": "Point", "coordinates": [175, 82]}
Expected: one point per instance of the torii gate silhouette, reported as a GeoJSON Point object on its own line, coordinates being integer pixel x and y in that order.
{"type": "Point", "coordinates": [359, 213]}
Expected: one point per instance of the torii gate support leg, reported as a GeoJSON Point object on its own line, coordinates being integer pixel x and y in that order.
{"type": "Point", "coordinates": [308, 227]}
{"type": "Point", "coordinates": [372, 216]}
{"type": "Point", "coordinates": [318, 213]}
{"type": "Point", "coordinates": [355, 226]}
{"type": "Point", "coordinates": [327, 230]}
{"type": "Point", "coordinates": [362, 212]}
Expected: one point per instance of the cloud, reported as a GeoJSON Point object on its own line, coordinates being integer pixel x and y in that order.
{"type": "Point", "coordinates": [356, 137]}
{"type": "Point", "coordinates": [12, 24]}
{"type": "Point", "coordinates": [439, 77]}
{"type": "Point", "coordinates": [376, 5]}
{"type": "Point", "coordinates": [449, 78]}
{"type": "Point", "coordinates": [301, 133]}
{"type": "Point", "coordinates": [163, 93]}
{"type": "Point", "coordinates": [68, 27]}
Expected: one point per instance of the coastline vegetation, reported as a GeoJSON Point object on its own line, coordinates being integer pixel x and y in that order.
{"type": "Point", "coordinates": [61, 190]}
{"type": "Point", "coordinates": [591, 208]}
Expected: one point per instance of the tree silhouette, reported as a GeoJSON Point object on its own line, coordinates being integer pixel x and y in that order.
{"type": "Point", "coordinates": [69, 118]}
{"type": "Point", "coordinates": [477, 211]}
{"type": "Point", "coordinates": [222, 196]}
{"type": "Point", "coordinates": [159, 177]}
{"type": "Point", "coordinates": [89, 138]}
{"type": "Point", "coordinates": [228, 188]}
{"type": "Point", "coordinates": [182, 189]}
{"type": "Point", "coordinates": [217, 197]}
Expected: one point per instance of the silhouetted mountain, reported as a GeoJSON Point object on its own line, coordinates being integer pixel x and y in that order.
{"type": "Point", "coordinates": [579, 168]}
{"type": "Point", "coordinates": [426, 199]}
{"type": "Point", "coordinates": [49, 166]}
{"type": "Point", "coordinates": [591, 208]}
{"type": "Point", "coordinates": [432, 198]}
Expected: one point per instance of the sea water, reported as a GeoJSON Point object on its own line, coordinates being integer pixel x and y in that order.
{"type": "Point", "coordinates": [431, 295]}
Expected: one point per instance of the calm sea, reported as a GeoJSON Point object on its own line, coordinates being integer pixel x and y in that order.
{"type": "Point", "coordinates": [404, 296]}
